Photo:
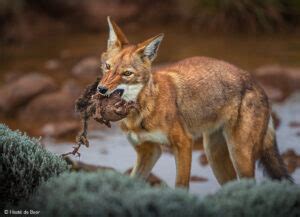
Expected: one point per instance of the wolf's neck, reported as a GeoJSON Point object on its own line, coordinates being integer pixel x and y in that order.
{"type": "Point", "coordinates": [146, 104]}
{"type": "Point", "coordinates": [147, 96]}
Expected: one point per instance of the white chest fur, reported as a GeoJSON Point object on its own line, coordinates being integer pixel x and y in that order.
{"type": "Point", "coordinates": [131, 91]}
{"type": "Point", "coordinates": [154, 136]}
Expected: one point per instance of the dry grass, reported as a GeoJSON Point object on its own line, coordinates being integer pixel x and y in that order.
{"type": "Point", "coordinates": [242, 15]}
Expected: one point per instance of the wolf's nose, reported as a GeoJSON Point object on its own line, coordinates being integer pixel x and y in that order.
{"type": "Point", "coordinates": [102, 89]}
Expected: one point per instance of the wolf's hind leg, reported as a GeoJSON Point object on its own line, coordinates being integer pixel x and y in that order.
{"type": "Point", "coordinates": [245, 134]}
{"type": "Point", "coordinates": [218, 157]}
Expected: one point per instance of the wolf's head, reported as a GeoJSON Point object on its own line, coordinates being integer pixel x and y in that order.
{"type": "Point", "coordinates": [126, 67]}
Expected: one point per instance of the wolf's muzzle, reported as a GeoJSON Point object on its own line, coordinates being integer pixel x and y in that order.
{"type": "Point", "coordinates": [102, 89]}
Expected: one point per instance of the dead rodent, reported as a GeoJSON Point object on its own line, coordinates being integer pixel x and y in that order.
{"type": "Point", "coordinates": [84, 101]}
{"type": "Point", "coordinates": [111, 108]}
{"type": "Point", "coordinates": [104, 108]}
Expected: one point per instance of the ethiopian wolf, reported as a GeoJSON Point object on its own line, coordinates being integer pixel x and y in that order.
{"type": "Point", "coordinates": [195, 97]}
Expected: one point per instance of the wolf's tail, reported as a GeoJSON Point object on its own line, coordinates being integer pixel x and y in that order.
{"type": "Point", "coordinates": [270, 159]}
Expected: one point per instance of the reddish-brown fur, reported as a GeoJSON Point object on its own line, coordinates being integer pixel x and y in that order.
{"type": "Point", "coordinates": [195, 97]}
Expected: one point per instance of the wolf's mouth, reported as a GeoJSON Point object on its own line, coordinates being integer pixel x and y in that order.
{"type": "Point", "coordinates": [118, 91]}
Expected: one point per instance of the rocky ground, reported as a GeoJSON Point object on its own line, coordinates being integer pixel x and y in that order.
{"type": "Point", "coordinates": [37, 103]}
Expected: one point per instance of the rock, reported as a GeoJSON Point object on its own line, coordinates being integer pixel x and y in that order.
{"type": "Point", "coordinates": [12, 76]}
{"type": "Point", "coordinates": [64, 54]}
{"type": "Point", "coordinates": [60, 129]}
{"type": "Point", "coordinates": [274, 94]}
{"type": "Point", "coordinates": [286, 79]}
{"type": "Point", "coordinates": [291, 160]}
{"type": "Point", "coordinates": [203, 159]}
{"type": "Point", "coordinates": [198, 179]}
{"type": "Point", "coordinates": [87, 68]}
{"type": "Point", "coordinates": [52, 64]}
{"type": "Point", "coordinates": [52, 107]}
{"type": "Point", "coordinates": [153, 180]}
{"type": "Point", "coordinates": [80, 166]}
{"type": "Point", "coordinates": [294, 124]}
{"type": "Point", "coordinates": [24, 89]}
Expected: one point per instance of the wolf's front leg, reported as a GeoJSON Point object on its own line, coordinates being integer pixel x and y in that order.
{"type": "Point", "coordinates": [182, 144]}
{"type": "Point", "coordinates": [147, 155]}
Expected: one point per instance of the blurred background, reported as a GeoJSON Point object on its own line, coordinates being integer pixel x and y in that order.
{"type": "Point", "coordinates": [49, 51]}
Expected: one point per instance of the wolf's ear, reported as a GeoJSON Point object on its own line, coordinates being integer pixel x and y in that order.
{"type": "Point", "coordinates": [148, 49]}
{"type": "Point", "coordinates": [116, 37]}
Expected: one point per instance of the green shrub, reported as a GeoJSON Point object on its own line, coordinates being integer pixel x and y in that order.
{"type": "Point", "coordinates": [165, 202]}
{"type": "Point", "coordinates": [109, 194]}
{"type": "Point", "coordinates": [112, 194]}
{"type": "Point", "coordinates": [246, 198]}
{"type": "Point", "coordinates": [24, 164]}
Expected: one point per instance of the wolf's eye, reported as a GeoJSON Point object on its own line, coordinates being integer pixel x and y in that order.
{"type": "Point", "coordinates": [107, 66]}
{"type": "Point", "coordinates": [127, 73]}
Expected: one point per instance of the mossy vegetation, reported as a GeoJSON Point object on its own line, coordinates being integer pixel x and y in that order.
{"type": "Point", "coordinates": [248, 198]}
{"type": "Point", "coordinates": [32, 178]}
{"type": "Point", "coordinates": [110, 194]}
{"type": "Point", "coordinates": [113, 194]}
{"type": "Point", "coordinates": [24, 164]}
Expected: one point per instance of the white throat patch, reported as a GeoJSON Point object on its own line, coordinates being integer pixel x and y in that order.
{"type": "Point", "coordinates": [156, 136]}
{"type": "Point", "coordinates": [131, 91]}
